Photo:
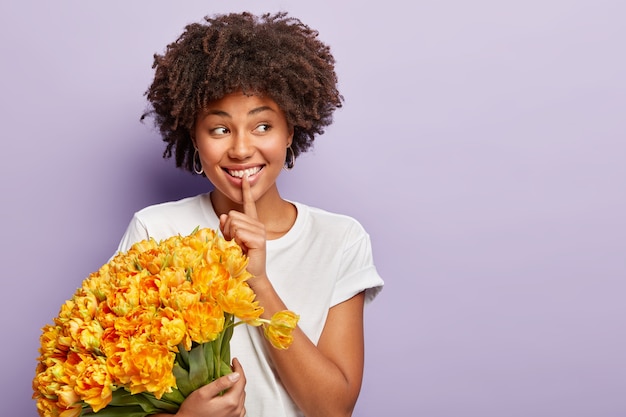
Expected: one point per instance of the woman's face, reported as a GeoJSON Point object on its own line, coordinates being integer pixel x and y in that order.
{"type": "Point", "coordinates": [239, 135]}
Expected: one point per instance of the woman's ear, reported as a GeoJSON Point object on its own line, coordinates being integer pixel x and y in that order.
{"type": "Point", "coordinates": [192, 135]}
{"type": "Point", "coordinates": [290, 137]}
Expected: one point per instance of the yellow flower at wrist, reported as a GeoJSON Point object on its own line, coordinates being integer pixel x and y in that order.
{"type": "Point", "coordinates": [279, 330]}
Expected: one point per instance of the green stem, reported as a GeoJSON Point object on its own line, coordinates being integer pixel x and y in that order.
{"type": "Point", "coordinates": [217, 354]}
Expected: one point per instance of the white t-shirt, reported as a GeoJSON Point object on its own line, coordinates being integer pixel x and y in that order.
{"type": "Point", "coordinates": [323, 260]}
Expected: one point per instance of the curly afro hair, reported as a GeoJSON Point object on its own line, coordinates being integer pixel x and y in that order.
{"type": "Point", "coordinates": [273, 55]}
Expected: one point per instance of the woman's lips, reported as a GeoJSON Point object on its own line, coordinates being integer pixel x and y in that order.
{"type": "Point", "coordinates": [235, 176]}
{"type": "Point", "coordinates": [239, 173]}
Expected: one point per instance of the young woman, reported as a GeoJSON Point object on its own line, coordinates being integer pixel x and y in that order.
{"type": "Point", "coordinates": [237, 98]}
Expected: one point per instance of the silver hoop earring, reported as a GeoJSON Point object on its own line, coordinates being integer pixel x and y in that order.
{"type": "Point", "coordinates": [290, 161]}
{"type": "Point", "coordinates": [195, 165]}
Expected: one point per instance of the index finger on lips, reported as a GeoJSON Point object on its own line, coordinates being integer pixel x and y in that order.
{"type": "Point", "coordinates": [249, 207]}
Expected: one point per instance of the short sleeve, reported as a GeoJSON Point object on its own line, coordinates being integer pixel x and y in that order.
{"type": "Point", "coordinates": [357, 272]}
{"type": "Point", "coordinates": [135, 232]}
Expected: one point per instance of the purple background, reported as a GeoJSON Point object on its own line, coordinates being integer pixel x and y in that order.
{"type": "Point", "coordinates": [482, 145]}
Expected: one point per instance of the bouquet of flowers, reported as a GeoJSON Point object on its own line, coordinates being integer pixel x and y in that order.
{"type": "Point", "coordinates": [148, 328]}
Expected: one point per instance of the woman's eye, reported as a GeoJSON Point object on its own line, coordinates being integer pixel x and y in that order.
{"type": "Point", "coordinates": [219, 131]}
{"type": "Point", "coordinates": [262, 128]}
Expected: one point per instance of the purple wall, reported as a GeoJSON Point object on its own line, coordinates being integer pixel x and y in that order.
{"type": "Point", "coordinates": [481, 145]}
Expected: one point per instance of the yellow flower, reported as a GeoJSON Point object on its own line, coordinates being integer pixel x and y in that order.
{"type": "Point", "coordinates": [208, 280]}
{"type": "Point", "coordinates": [48, 407]}
{"type": "Point", "coordinates": [139, 247]}
{"type": "Point", "coordinates": [99, 283]}
{"type": "Point", "coordinates": [279, 330]}
{"type": "Point", "coordinates": [149, 321]}
{"type": "Point", "coordinates": [188, 253]}
{"type": "Point", "coordinates": [124, 298]}
{"type": "Point", "coordinates": [117, 360]}
{"type": "Point", "coordinates": [153, 260]}
{"type": "Point", "coordinates": [48, 342]}
{"type": "Point", "coordinates": [85, 335]}
{"type": "Point", "coordinates": [85, 305]}
{"type": "Point", "coordinates": [67, 396]}
{"type": "Point", "coordinates": [74, 411]}
{"type": "Point", "coordinates": [169, 279]}
{"type": "Point", "coordinates": [151, 368]}
{"type": "Point", "coordinates": [237, 298]}
{"type": "Point", "coordinates": [181, 297]}
{"type": "Point", "coordinates": [47, 383]}
{"type": "Point", "coordinates": [93, 382]}
{"type": "Point", "coordinates": [169, 328]}
{"type": "Point", "coordinates": [105, 316]}
{"type": "Point", "coordinates": [149, 291]}
{"type": "Point", "coordinates": [134, 324]}
{"type": "Point", "coordinates": [204, 320]}
{"type": "Point", "coordinates": [236, 262]}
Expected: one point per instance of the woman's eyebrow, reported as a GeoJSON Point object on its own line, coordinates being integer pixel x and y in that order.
{"type": "Point", "coordinates": [217, 112]}
{"type": "Point", "coordinates": [259, 110]}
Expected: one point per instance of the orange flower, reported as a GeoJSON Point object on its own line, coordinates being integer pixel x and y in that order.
{"type": "Point", "coordinates": [85, 335]}
{"type": "Point", "coordinates": [85, 305]}
{"type": "Point", "coordinates": [209, 280]}
{"type": "Point", "coordinates": [153, 260]}
{"type": "Point", "coordinates": [73, 411]}
{"type": "Point", "coordinates": [48, 407]}
{"type": "Point", "coordinates": [204, 320]}
{"type": "Point", "coordinates": [117, 360]}
{"type": "Point", "coordinates": [169, 279]}
{"type": "Point", "coordinates": [67, 396]}
{"type": "Point", "coordinates": [128, 323]}
{"type": "Point", "coordinates": [93, 382]}
{"type": "Point", "coordinates": [47, 381]}
{"type": "Point", "coordinates": [279, 331]}
{"type": "Point", "coordinates": [105, 316]}
{"type": "Point", "coordinates": [66, 312]}
{"type": "Point", "coordinates": [49, 342]}
{"type": "Point", "coordinates": [180, 297]}
{"type": "Point", "coordinates": [109, 344]}
{"type": "Point", "coordinates": [125, 298]}
{"type": "Point", "coordinates": [169, 328]}
{"type": "Point", "coordinates": [233, 258]}
{"type": "Point", "coordinates": [150, 366]}
{"type": "Point", "coordinates": [149, 292]}
{"type": "Point", "coordinates": [237, 298]}
{"type": "Point", "coordinates": [99, 283]}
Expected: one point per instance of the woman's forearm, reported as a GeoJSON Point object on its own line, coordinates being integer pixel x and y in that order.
{"type": "Point", "coordinates": [323, 380]}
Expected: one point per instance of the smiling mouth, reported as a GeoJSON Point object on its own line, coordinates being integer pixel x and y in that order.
{"type": "Point", "coordinates": [239, 173]}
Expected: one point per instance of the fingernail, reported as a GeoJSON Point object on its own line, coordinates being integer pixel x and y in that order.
{"type": "Point", "coordinates": [234, 376]}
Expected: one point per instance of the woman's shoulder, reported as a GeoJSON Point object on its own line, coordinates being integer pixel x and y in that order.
{"type": "Point", "coordinates": [162, 220]}
{"type": "Point", "coordinates": [330, 221]}
{"type": "Point", "coordinates": [187, 204]}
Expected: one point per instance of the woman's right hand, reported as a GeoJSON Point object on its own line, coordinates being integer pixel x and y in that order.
{"type": "Point", "coordinates": [206, 401]}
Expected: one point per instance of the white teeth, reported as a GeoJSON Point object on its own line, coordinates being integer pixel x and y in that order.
{"type": "Point", "coordinates": [240, 173]}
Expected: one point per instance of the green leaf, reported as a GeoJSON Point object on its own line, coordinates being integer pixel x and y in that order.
{"type": "Point", "coordinates": [174, 397]}
{"type": "Point", "coordinates": [182, 380]}
{"type": "Point", "coordinates": [125, 404]}
{"type": "Point", "coordinates": [209, 358]}
{"type": "Point", "coordinates": [118, 411]}
{"type": "Point", "coordinates": [198, 371]}
{"type": "Point", "coordinates": [121, 397]}
{"type": "Point", "coordinates": [227, 335]}
{"type": "Point", "coordinates": [225, 368]}
{"type": "Point", "coordinates": [183, 356]}
{"type": "Point", "coordinates": [124, 398]}
{"type": "Point", "coordinates": [163, 404]}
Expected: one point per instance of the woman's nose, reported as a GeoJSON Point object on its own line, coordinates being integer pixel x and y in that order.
{"type": "Point", "coordinates": [241, 147]}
